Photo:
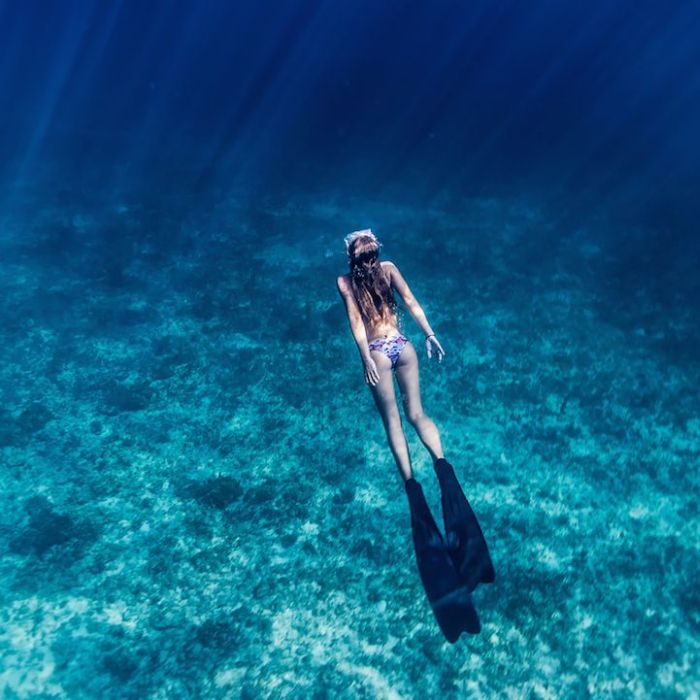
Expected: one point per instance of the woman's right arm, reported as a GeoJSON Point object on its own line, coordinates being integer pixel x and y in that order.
{"type": "Point", "coordinates": [416, 310]}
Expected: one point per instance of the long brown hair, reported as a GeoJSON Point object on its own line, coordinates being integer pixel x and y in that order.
{"type": "Point", "coordinates": [370, 283]}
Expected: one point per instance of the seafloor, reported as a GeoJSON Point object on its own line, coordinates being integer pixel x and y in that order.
{"type": "Point", "coordinates": [198, 496]}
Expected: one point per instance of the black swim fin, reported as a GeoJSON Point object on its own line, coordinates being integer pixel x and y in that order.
{"type": "Point", "coordinates": [449, 598]}
{"type": "Point", "coordinates": [465, 540]}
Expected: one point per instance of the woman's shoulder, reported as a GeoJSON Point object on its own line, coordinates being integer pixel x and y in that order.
{"type": "Point", "coordinates": [388, 267]}
{"type": "Point", "coordinates": [343, 282]}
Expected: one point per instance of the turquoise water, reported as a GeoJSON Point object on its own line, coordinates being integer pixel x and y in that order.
{"type": "Point", "coordinates": [200, 501]}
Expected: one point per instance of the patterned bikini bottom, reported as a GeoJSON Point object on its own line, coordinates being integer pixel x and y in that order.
{"type": "Point", "coordinates": [391, 346]}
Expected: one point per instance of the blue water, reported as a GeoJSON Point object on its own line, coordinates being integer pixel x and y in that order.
{"type": "Point", "coordinates": [198, 496]}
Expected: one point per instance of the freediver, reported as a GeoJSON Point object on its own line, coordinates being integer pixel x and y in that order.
{"type": "Point", "coordinates": [449, 568]}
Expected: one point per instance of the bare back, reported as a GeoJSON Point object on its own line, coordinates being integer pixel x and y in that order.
{"type": "Point", "coordinates": [397, 283]}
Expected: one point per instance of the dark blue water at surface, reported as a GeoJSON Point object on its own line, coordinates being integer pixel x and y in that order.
{"type": "Point", "coordinates": [589, 96]}
{"type": "Point", "coordinates": [199, 497]}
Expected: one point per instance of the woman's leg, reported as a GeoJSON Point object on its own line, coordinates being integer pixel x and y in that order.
{"type": "Point", "coordinates": [385, 398]}
{"type": "Point", "coordinates": [407, 376]}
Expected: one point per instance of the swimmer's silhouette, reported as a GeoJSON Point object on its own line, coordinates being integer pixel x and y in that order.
{"type": "Point", "coordinates": [450, 569]}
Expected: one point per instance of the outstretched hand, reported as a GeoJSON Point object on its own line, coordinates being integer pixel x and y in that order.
{"type": "Point", "coordinates": [371, 372]}
{"type": "Point", "coordinates": [429, 342]}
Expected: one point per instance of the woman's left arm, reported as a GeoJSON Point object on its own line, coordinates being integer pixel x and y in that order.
{"type": "Point", "coordinates": [355, 319]}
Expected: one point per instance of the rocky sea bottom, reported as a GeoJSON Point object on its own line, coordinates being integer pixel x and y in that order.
{"type": "Point", "coordinates": [199, 497]}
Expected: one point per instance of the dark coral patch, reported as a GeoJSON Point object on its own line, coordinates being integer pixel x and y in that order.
{"type": "Point", "coordinates": [46, 529]}
{"type": "Point", "coordinates": [34, 417]}
{"type": "Point", "coordinates": [218, 492]}
{"type": "Point", "coordinates": [118, 397]}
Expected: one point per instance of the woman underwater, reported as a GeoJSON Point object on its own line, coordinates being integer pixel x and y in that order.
{"type": "Point", "coordinates": [451, 569]}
